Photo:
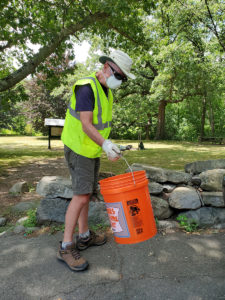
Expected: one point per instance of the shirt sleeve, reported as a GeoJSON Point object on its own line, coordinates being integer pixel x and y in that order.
{"type": "Point", "coordinates": [85, 100]}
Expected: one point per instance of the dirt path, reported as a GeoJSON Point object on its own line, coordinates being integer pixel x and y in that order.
{"type": "Point", "coordinates": [31, 173]}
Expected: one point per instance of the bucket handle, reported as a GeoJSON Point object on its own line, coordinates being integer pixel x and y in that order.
{"type": "Point", "coordinates": [129, 168]}
{"type": "Point", "coordinates": [122, 149]}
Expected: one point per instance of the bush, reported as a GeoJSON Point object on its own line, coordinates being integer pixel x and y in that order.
{"type": "Point", "coordinates": [32, 219]}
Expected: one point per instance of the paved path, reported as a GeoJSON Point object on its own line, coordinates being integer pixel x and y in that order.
{"type": "Point", "coordinates": [175, 266]}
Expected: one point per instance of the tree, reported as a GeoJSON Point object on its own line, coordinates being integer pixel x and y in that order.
{"type": "Point", "coordinates": [180, 64]}
{"type": "Point", "coordinates": [41, 105]}
{"type": "Point", "coordinates": [55, 24]}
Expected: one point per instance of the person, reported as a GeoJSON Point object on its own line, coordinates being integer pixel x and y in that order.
{"type": "Point", "coordinates": [85, 134]}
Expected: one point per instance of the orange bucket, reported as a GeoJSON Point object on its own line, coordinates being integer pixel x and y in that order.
{"type": "Point", "coordinates": [129, 207]}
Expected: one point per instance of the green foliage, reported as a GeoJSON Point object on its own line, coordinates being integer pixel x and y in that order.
{"type": "Point", "coordinates": [32, 220]}
{"type": "Point", "coordinates": [99, 227]}
{"type": "Point", "coordinates": [55, 25]}
{"type": "Point", "coordinates": [179, 90]}
{"type": "Point", "coordinates": [28, 232]}
{"type": "Point", "coordinates": [187, 224]}
{"type": "Point", "coordinates": [178, 54]}
{"type": "Point", "coordinates": [41, 105]}
{"type": "Point", "coordinates": [56, 228]}
{"type": "Point", "coordinates": [10, 114]}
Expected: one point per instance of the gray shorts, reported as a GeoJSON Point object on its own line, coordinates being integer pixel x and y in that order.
{"type": "Point", "coordinates": [84, 172]}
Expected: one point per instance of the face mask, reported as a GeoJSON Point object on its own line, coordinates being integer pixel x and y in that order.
{"type": "Point", "coordinates": [112, 82]}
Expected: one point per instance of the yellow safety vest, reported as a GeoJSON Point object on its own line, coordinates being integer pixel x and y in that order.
{"type": "Point", "coordinates": [73, 135]}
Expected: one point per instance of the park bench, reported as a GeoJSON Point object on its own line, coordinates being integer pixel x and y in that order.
{"type": "Point", "coordinates": [213, 139]}
{"type": "Point", "coordinates": [55, 127]}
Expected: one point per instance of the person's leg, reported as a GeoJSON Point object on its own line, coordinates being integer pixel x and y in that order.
{"type": "Point", "coordinates": [80, 169]}
{"type": "Point", "coordinates": [77, 209]}
{"type": "Point", "coordinates": [93, 239]}
{"type": "Point", "coordinates": [83, 218]}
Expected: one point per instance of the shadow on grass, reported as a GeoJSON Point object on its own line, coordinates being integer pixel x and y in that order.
{"type": "Point", "coordinates": [169, 158]}
{"type": "Point", "coordinates": [15, 151]}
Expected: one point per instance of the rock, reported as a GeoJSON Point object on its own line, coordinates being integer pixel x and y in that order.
{"type": "Point", "coordinates": [177, 177]}
{"type": "Point", "coordinates": [19, 187]}
{"type": "Point", "coordinates": [21, 220]}
{"type": "Point", "coordinates": [31, 229]}
{"type": "Point", "coordinates": [103, 175]}
{"type": "Point", "coordinates": [162, 224]}
{"type": "Point", "coordinates": [97, 197]}
{"type": "Point", "coordinates": [4, 233]}
{"type": "Point", "coordinates": [161, 208]}
{"type": "Point", "coordinates": [212, 180]}
{"type": "Point", "coordinates": [219, 215]}
{"type": "Point", "coordinates": [168, 188]}
{"type": "Point", "coordinates": [162, 175]}
{"type": "Point", "coordinates": [19, 229]}
{"type": "Point", "coordinates": [165, 196]}
{"type": "Point", "coordinates": [196, 180]}
{"type": "Point", "coordinates": [213, 198]}
{"type": "Point", "coordinates": [184, 198]}
{"type": "Point", "coordinates": [2, 221]}
{"type": "Point", "coordinates": [153, 173]}
{"type": "Point", "coordinates": [206, 216]}
{"type": "Point", "coordinates": [52, 210]}
{"type": "Point", "coordinates": [7, 233]}
{"type": "Point", "coordinates": [155, 188]}
{"type": "Point", "coordinates": [219, 226]}
{"type": "Point", "coordinates": [97, 214]}
{"type": "Point", "coordinates": [24, 206]}
{"type": "Point", "coordinates": [55, 186]}
{"type": "Point", "coordinates": [201, 166]}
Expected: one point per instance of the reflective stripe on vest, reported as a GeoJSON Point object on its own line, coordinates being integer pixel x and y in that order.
{"type": "Point", "coordinates": [100, 125]}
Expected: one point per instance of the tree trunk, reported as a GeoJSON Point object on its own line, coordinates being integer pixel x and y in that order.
{"type": "Point", "coordinates": [202, 132]}
{"type": "Point", "coordinates": [160, 132]}
{"type": "Point", "coordinates": [211, 119]}
{"type": "Point", "coordinates": [148, 127]}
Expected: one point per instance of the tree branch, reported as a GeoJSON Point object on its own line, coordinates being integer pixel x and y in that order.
{"type": "Point", "coordinates": [182, 98]}
{"type": "Point", "coordinates": [128, 94]}
{"type": "Point", "coordinates": [123, 33]}
{"type": "Point", "coordinates": [214, 26]}
{"type": "Point", "coordinates": [214, 30]}
{"type": "Point", "coordinates": [154, 70]}
{"type": "Point", "coordinates": [29, 67]}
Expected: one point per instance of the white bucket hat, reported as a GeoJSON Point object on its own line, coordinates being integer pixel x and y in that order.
{"type": "Point", "coordinates": [121, 59]}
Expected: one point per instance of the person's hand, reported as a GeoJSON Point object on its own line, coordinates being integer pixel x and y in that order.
{"type": "Point", "coordinates": [111, 150]}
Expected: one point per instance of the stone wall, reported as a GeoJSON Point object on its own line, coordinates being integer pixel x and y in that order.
{"type": "Point", "coordinates": [196, 193]}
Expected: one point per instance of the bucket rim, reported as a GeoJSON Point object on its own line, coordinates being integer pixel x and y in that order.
{"type": "Point", "coordinates": [119, 183]}
{"type": "Point", "coordinates": [124, 176]}
{"type": "Point", "coordinates": [117, 190]}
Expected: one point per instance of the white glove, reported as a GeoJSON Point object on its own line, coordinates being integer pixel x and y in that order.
{"type": "Point", "coordinates": [111, 150]}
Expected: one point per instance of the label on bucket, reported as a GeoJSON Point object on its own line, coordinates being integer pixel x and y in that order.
{"type": "Point", "coordinates": [117, 219]}
{"type": "Point", "coordinates": [135, 211]}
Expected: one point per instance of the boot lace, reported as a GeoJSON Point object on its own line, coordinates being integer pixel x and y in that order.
{"type": "Point", "coordinates": [75, 253]}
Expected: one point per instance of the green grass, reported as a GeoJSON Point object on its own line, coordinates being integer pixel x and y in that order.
{"type": "Point", "coordinates": [165, 154]}
{"type": "Point", "coordinates": [15, 151]}
{"type": "Point", "coordinates": [18, 150]}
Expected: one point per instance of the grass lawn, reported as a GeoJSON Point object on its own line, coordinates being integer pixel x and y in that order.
{"type": "Point", "coordinates": [15, 151]}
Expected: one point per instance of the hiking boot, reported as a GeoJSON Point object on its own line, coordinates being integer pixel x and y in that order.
{"type": "Point", "coordinates": [93, 240]}
{"type": "Point", "coordinates": [72, 257]}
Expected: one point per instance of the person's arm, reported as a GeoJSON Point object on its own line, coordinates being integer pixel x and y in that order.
{"type": "Point", "coordinates": [86, 118]}
{"type": "Point", "coordinates": [112, 151]}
